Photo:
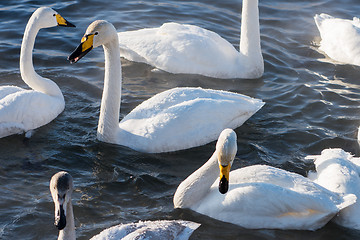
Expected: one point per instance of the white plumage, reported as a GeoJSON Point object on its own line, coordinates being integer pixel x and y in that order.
{"type": "Point", "coordinates": [339, 172]}
{"type": "Point", "coordinates": [259, 196]}
{"type": "Point", "coordinates": [23, 110]}
{"type": "Point", "coordinates": [340, 38]}
{"type": "Point", "coordinates": [172, 120]}
{"type": "Point", "coordinates": [147, 230]}
{"type": "Point", "coordinates": [61, 188]}
{"type": "Point", "coordinates": [184, 48]}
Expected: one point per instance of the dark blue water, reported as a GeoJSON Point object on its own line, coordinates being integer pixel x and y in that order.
{"type": "Point", "coordinates": [310, 105]}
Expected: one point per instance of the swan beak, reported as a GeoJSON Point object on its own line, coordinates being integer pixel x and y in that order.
{"type": "Point", "coordinates": [63, 22]}
{"type": "Point", "coordinates": [60, 218]}
{"type": "Point", "coordinates": [224, 178]}
{"type": "Point", "coordinates": [85, 46]}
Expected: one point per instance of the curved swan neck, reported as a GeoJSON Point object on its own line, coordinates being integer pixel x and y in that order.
{"type": "Point", "coordinates": [110, 103]}
{"type": "Point", "coordinates": [250, 29]}
{"type": "Point", "coordinates": [27, 46]}
{"type": "Point", "coordinates": [28, 74]}
{"type": "Point", "coordinates": [68, 233]}
{"type": "Point", "coordinates": [197, 185]}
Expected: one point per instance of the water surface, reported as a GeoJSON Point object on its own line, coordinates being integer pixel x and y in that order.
{"type": "Point", "coordinates": [310, 105]}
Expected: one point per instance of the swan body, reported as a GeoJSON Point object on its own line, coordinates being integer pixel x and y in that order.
{"type": "Point", "coordinates": [258, 196]}
{"type": "Point", "coordinates": [172, 120]}
{"type": "Point", "coordinates": [182, 118]}
{"type": "Point", "coordinates": [143, 230]}
{"type": "Point", "coordinates": [22, 110]}
{"type": "Point", "coordinates": [61, 187]}
{"type": "Point", "coordinates": [339, 172]}
{"type": "Point", "coordinates": [340, 38]}
{"type": "Point", "coordinates": [183, 48]}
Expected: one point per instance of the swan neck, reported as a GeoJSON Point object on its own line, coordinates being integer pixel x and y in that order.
{"type": "Point", "coordinates": [111, 98]}
{"type": "Point", "coordinates": [27, 46]}
{"type": "Point", "coordinates": [250, 29]}
{"type": "Point", "coordinates": [68, 233]}
{"type": "Point", "coordinates": [196, 186]}
{"type": "Point", "coordinates": [28, 74]}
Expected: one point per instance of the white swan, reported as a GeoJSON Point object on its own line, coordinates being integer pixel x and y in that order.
{"type": "Point", "coordinates": [182, 48]}
{"type": "Point", "coordinates": [61, 187]}
{"type": "Point", "coordinates": [339, 172]}
{"type": "Point", "coordinates": [175, 119]}
{"type": "Point", "coordinates": [143, 230]}
{"type": "Point", "coordinates": [340, 38]}
{"type": "Point", "coordinates": [259, 196]}
{"type": "Point", "coordinates": [23, 110]}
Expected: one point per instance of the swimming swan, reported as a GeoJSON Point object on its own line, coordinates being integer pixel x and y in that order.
{"type": "Point", "coordinates": [339, 172]}
{"type": "Point", "coordinates": [257, 196]}
{"type": "Point", "coordinates": [22, 110]}
{"type": "Point", "coordinates": [183, 48]}
{"type": "Point", "coordinates": [175, 119]}
{"type": "Point", "coordinates": [61, 187]}
{"type": "Point", "coordinates": [340, 38]}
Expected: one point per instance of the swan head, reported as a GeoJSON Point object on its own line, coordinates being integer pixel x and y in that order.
{"type": "Point", "coordinates": [47, 17]}
{"type": "Point", "coordinates": [61, 187]}
{"type": "Point", "coordinates": [226, 148]}
{"type": "Point", "coordinates": [99, 32]}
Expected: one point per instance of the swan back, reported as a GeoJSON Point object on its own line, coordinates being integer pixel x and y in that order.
{"type": "Point", "coordinates": [338, 171]}
{"type": "Point", "coordinates": [182, 118]}
{"type": "Point", "coordinates": [340, 38]}
{"type": "Point", "coordinates": [181, 48]}
{"type": "Point", "coordinates": [24, 110]}
{"type": "Point", "coordinates": [146, 230]}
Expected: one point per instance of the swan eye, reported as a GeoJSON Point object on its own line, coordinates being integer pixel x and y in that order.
{"type": "Point", "coordinates": [54, 14]}
{"type": "Point", "coordinates": [96, 33]}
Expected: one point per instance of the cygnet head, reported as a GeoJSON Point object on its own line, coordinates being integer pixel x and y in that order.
{"type": "Point", "coordinates": [47, 17]}
{"type": "Point", "coordinates": [61, 187]}
{"type": "Point", "coordinates": [226, 148]}
{"type": "Point", "coordinates": [99, 32]}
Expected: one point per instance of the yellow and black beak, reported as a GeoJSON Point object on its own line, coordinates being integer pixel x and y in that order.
{"type": "Point", "coordinates": [85, 46]}
{"type": "Point", "coordinates": [62, 22]}
{"type": "Point", "coordinates": [224, 178]}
